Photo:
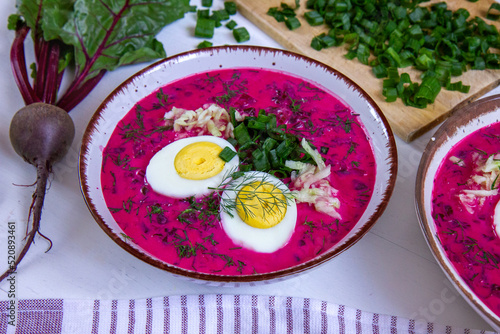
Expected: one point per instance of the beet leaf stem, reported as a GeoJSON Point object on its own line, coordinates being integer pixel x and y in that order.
{"type": "Point", "coordinates": [41, 68]}
{"type": "Point", "coordinates": [74, 96]}
{"type": "Point", "coordinates": [18, 63]}
{"type": "Point", "coordinates": [51, 84]}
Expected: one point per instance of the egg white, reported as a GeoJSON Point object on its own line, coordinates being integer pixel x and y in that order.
{"type": "Point", "coordinates": [496, 219]}
{"type": "Point", "coordinates": [260, 240]}
{"type": "Point", "coordinates": [164, 179]}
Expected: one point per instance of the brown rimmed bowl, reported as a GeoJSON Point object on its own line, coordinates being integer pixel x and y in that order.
{"type": "Point", "coordinates": [463, 122]}
{"type": "Point", "coordinates": [140, 85]}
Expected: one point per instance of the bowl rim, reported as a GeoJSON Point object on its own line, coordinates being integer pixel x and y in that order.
{"type": "Point", "coordinates": [447, 130]}
{"type": "Point", "coordinates": [392, 162]}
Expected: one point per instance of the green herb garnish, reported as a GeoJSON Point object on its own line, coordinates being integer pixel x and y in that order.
{"type": "Point", "coordinates": [246, 187]}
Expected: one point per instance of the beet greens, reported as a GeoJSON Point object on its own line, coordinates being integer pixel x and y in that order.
{"type": "Point", "coordinates": [84, 39]}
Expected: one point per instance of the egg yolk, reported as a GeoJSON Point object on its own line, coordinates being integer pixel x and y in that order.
{"type": "Point", "coordinates": [199, 161]}
{"type": "Point", "coordinates": [261, 204]}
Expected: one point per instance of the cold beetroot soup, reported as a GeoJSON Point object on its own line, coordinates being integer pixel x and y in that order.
{"type": "Point", "coordinates": [464, 201]}
{"type": "Point", "coordinates": [186, 232]}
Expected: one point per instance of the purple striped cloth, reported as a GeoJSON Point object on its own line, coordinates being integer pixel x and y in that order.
{"type": "Point", "coordinates": [203, 314]}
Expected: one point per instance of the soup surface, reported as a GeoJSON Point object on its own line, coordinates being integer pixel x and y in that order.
{"type": "Point", "coordinates": [187, 232]}
{"type": "Point", "coordinates": [464, 199]}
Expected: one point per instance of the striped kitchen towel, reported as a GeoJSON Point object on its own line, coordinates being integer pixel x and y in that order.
{"type": "Point", "coordinates": [202, 314]}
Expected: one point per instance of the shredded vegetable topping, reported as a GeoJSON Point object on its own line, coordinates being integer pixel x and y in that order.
{"type": "Point", "coordinates": [483, 183]}
{"type": "Point", "coordinates": [210, 119]}
{"type": "Point", "coordinates": [311, 185]}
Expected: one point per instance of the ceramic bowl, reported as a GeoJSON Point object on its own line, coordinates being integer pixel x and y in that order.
{"type": "Point", "coordinates": [157, 75]}
{"type": "Point", "coordinates": [463, 122]}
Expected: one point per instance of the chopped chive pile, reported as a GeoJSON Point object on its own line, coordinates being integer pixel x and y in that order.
{"type": "Point", "coordinates": [391, 35]}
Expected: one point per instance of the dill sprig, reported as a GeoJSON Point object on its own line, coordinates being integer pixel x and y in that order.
{"type": "Point", "coordinates": [240, 188]}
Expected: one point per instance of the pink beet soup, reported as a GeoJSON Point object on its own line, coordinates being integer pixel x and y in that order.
{"type": "Point", "coordinates": [465, 224]}
{"type": "Point", "coordinates": [187, 232]}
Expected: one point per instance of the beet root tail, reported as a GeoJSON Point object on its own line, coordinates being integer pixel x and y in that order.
{"type": "Point", "coordinates": [43, 171]}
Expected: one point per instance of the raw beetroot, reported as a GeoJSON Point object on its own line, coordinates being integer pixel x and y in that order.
{"type": "Point", "coordinates": [41, 133]}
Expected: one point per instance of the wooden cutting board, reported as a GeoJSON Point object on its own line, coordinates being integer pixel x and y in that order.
{"type": "Point", "coordinates": [406, 122]}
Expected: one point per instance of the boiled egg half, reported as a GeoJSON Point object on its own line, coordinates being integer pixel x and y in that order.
{"type": "Point", "coordinates": [257, 212]}
{"type": "Point", "coordinates": [190, 167]}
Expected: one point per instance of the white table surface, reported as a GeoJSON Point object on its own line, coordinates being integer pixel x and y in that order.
{"type": "Point", "coordinates": [391, 270]}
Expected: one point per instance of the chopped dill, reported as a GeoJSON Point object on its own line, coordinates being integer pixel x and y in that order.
{"type": "Point", "coordinates": [126, 238]}
{"type": "Point", "coordinates": [162, 98]}
{"type": "Point", "coordinates": [211, 239]}
{"type": "Point", "coordinates": [205, 210]}
{"type": "Point", "coordinates": [119, 161]}
{"type": "Point", "coordinates": [245, 187]}
{"type": "Point", "coordinates": [127, 205]}
{"type": "Point", "coordinates": [310, 224]}
{"type": "Point", "coordinates": [154, 210]}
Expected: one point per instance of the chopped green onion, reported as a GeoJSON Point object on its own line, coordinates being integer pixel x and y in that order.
{"type": "Point", "coordinates": [232, 113]}
{"type": "Point", "coordinates": [292, 23]}
{"type": "Point", "coordinates": [314, 18]}
{"type": "Point", "coordinates": [427, 92]}
{"type": "Point", "coordinates": [241, 134]}
{"type": "Point", "coordinates": [285, 148]}
{"type": "Point", "coordinates": [328, 41]}
{"type": "Point", "coordinates": [204, 28]}
{"type": "Point", "coordinates": [262, 117]}
{"type": "Point", "coordinates": [458, 86]}
{"type": "Point", "coordinates": [363, 53]}
{"type": "Point", "coordinates": [260, 161]}
{"type": "Point", "coordinates": [391, 94]}
{"type": "Point", "coordinates": [492, 61]}
{"type": "Point", "coordinates": [254, 124]}
{"type": "Point", "coordinates": [273, 159]}
{"type": "Point", "coordinates": [280, 14]}
{"type": "Point", "coordinates": [245, 167]}
{"type": "Point", "coordinates": [220, 15]}
{"type": "Point", "coordinates": [230, 7]}
{"type": "Point", "coordinates": [493, 12]}
{"type": "Point", "coordinates": [269, 144]}
{"type": "Point", "coordinates": [479, 64]}
{"type": "Point", "coordinates": [272, 123]}
{"type": "Point", "coordinates": [232, 141]}
{"type": "Point", "coordinates": [231, 25]}
{"type": "Point", "coordinates": [241, 34]}
{"type": "Point", "coordinates": [316, 44]}
{"type": "Point", "coordinates": [227, 154]}
{"type": "Point", "coordinates": [380, 71]}
{"type": "Point", "coordinates": [206, 3]}
{"type": "Point", "coordinates": [277, 14]}
{"type": "Point", "coordinates": [204, 44]}
{"type": "Point", "coordinates": [203, 13]}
